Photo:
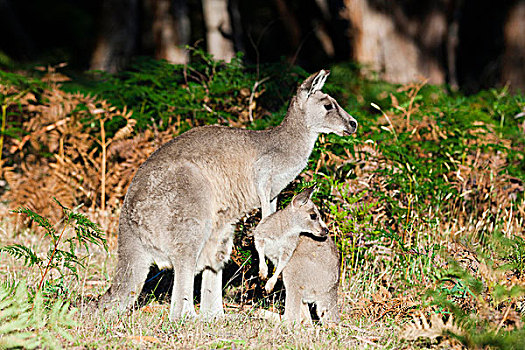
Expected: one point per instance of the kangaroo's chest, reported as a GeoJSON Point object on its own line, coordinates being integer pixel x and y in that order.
{"type": "Point", "coordinates": [276, 247]}
{"type": "Point", "coordinates": [284, 175]}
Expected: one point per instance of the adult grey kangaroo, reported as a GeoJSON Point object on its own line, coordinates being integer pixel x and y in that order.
{"type": "Point", "coordinates": [181, 205]}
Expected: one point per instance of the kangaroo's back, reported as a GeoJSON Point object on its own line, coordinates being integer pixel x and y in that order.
{"type": "Point", "coordinates": [225, 158]}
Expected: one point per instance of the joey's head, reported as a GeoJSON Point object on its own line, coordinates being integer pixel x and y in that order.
{"type": "Point", "coordinates": [321, 112]}
{"type": "Point", "coordinates": [306, 216]}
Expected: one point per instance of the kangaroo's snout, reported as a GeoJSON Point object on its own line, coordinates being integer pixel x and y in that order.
{"type": "Point", "coordinates": [351, 126]}
{"type": "Point", "coordinates": [324, 231]}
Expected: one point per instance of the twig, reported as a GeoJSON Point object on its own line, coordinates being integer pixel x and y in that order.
{"type": "Point", "coordinates": [4, 116]}
{"type": "Point", "coordinates": [387, 119]}
{"type": "Point", "coordinates": [504, 318]}
{"type": "Point", "coordinates": [41, 131]}
{"type": "Point", "coordinates": [255, 86]}
{"type": "Point", "coordinates": [103, 167]}
{"type": "Point", "coordinates": [364, 340]}
{"type": "Point", "coordinates": [235, 274]}
{"type": "Point", "coordinates": [412, 99]}
{"type": "Point", "coordinates": [53, 254]}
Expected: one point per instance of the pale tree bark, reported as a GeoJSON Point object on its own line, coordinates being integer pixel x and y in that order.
{"type": "Point", "coordinates": [218, 29]}
{"type": "Point", "coordinates": [401, 49]}
{"type": "Point", "coordinates": [118, 35]}
{"type": "Point", "coordinates": [513, 65]}
{"type": "Point", "coordinates": [171, 30]}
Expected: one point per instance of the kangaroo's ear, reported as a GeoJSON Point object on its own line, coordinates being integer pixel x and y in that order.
{"type": "Point", "coordinates": [303, 197]}
{"type": "Point", "coordinates": [313, 83]}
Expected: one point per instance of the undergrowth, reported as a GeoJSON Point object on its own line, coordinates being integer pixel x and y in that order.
{"type": "Point", "coordinates": [69, 242]}
{"type": "Point", "coordinates": [425, 203]}
{"type": "Point", "coordinates": [28, 322]}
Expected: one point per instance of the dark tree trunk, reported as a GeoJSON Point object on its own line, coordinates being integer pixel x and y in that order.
{"type": "Point", "coordinates": [291, 24]}
{"type": "Point", "coordinates": [15, 38]}
{"type": "Point", "coordinates": [513, 65]}
{"type": "Point", "coordinates": [237, 29]}
{"type": "Point", "coordinates": [118, 35]}
{"type": "Point", "coordinates": [454, 14]}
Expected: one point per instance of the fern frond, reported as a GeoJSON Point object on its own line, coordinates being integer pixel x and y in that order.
{"type": "Point", "coordinates": [19, 251]}
{"type": "Point", "coordinates": [421, 327]}
{"type": "Point", "coordinates": [29, 324]}
{"type": "Point", "coordinates": [40, 220]}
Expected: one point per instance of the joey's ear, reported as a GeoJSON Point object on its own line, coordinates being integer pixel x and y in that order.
{"type": "Point", "coordinates": [303, 197]}
{"type": "Point", "coordinates": [313, 83]}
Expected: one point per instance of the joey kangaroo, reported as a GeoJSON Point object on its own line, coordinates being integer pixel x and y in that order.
{"type": "Point", "coordinates": [181, 205]}
{"type": "Point", "coordinates": [277, 235]}
{"type": "Point", "coordinates": [312, 276]}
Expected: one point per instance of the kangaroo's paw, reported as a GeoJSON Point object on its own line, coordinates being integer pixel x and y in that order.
{"type": "Point", "coordinates": [270, 284]}
{"type": "Point", "coordinates": [263, 271]}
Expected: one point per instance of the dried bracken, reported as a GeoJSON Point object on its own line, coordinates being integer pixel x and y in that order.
{"type": "Point", "coordinates": [62, 156]}
{"type": "Point", "coordinates": [422, 327]}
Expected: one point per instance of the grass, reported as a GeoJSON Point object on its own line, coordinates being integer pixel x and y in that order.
{"type": "Point", "coordinates": [149, 326]}
{"type": "Point", "coordinates": [425, 203]}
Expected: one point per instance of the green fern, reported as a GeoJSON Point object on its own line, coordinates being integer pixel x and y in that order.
{"type": "Point", "coordinates": [26, 323]}
{"type": "Point", "coordinates": [62, 253]}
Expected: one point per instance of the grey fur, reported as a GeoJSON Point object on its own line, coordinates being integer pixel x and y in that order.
{"type": "Point", "coordinates": [312, 276]}
{"type": "Point", "coordinates": [181, 206]}
{"type": "Point", "coordinates": [277, 235]}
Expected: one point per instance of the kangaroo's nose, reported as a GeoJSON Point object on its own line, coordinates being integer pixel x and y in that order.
{"type": "Point", "coordinates": [353, 124]}
{"type": "Point", "coordinates": [324, 231]}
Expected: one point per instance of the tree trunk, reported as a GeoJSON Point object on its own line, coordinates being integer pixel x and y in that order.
{"type": "Point", "coordinates": [237, 29]}
{"type": "Point", "coordinates": [513, 69]}
{"type": "Point", "coordinates": [291, 24]}
{"type": "Point", "coordinates": [453, 19]}
{"type": "Point", "coordinates": [118, 34]}
{"type": "Point", "coordinates": [218, 29]}
{"type": "Point", "coordinates": [171, 30]}
{"type": "Point", "coordinates": [401, 45]}
{"type": "Point", "coordinates": [16, 40]}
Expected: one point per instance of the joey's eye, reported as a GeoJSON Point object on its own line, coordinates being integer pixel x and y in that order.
{"type": "Point", "coordinates": [329, 107]}
{"type": "Point", "coordinates": [313, 216]}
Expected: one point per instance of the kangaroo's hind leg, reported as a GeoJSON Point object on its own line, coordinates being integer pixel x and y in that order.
{"type": "Point", "coordinates": [184, 264]}
{"type": "Point", "coordinates": [186, 232]}
{"type": "Point", "coordinates": [132, 269]}
{"type": "Point", "coordinates": [211, 294]}
{"type": "Point", "coordinates": [213, 257]}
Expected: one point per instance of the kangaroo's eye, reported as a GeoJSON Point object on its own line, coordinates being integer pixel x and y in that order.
{"type": "Point", "coordinates": [313, 216]}
{"type": "Point", "coordinates": [329, 107]}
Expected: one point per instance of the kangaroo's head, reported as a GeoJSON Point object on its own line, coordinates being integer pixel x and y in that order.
{"type": "Point", "coordinates": [322, 113]}
{"type": "Point", "coordinates": [306, 216]}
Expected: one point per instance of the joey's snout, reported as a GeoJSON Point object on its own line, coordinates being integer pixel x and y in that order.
{"type": "Point", "coordinates": [321, 232]}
